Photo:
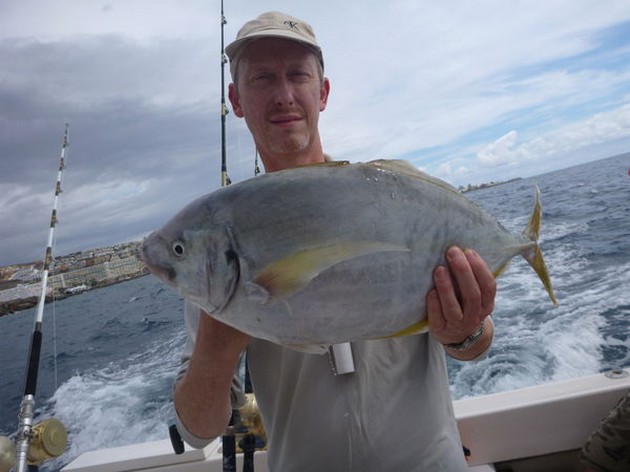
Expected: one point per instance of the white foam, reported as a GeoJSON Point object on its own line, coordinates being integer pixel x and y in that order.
{"type": "Point", "coordinates": [536, 342]}
{"type": "Point", "coordinates": [125, 403]}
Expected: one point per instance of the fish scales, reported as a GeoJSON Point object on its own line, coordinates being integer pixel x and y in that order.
{"type": "Point", "coordinates": [328, 253]}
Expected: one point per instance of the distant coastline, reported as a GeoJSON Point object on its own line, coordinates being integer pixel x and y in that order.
{"type": "Point", "coordinates": [470, 187]}
{"type": "Point", "coordinates": [20, 284]}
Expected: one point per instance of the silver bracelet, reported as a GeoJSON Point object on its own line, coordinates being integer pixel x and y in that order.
{"type": "Point", "coordinates": [469, 341]}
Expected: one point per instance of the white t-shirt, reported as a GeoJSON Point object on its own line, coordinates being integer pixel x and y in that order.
{"type": "Point", "coordinates": [394, 413]}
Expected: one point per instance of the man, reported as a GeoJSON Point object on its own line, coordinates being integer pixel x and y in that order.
{"type": "Point", "coordinates": [607, 449]}
{"type": "Point", "coordinates": [392, 411]}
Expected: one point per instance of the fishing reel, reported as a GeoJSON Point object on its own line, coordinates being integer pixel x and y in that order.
{"type": "Point", "coordinates": [48, 440]}
{"type": "Point", "coordinates": [7, 454]}
{"type": "Point", "coordinates": [248, 430]}
{"type": "Point", "coordinates": [245, 434]}
{"type": "Point", "coordinates": [250, 421]}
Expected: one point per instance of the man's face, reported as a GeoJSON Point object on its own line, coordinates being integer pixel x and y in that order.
{"type": "Point", "coordinates": [280, 94]}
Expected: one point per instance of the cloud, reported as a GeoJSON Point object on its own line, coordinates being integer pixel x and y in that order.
{"type": "Point", "coordinates": [132, 147]}
{"type": "Point", "coordinates": [500, 151]}
{"type": "Point", "coordinates": [526, 67]}
{"type": "Point", "coordinates": [597, 129]}
{"type": "Point", "coordinates": [446, 168]}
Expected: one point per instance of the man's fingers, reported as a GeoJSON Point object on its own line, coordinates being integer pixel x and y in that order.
{"type": "Point", "coordinates": [449, 302]}
{"type": "Point", "coordinates": [434, 311]}
{"type": "Point", "coordinates": [467, 286]}
{"type": "Point", "coordinates": [485, 280]}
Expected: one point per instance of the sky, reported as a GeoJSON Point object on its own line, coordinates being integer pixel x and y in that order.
{"type": "Point", "coordinates": [470, 92]}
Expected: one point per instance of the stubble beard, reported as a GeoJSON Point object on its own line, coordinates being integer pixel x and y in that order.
{"type": "Point", "coordinates": [290, 144]}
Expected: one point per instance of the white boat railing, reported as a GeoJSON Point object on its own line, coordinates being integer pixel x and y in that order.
{"type": "Point", "coordinates": [533, 421]}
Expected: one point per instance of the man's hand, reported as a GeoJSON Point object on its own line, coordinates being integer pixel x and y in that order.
{"type": "Point", "coordinates": [462, 299]}
{"type": "Point", "coordinates": [202, 396]}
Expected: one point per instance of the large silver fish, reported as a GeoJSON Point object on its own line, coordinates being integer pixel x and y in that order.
{"type": "Point", "coordinates": [329, 253]}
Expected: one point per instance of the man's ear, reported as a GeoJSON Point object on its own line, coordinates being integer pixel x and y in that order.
{"type": "Point", "coordinates": [234, 100]}
{"type": "Point", "coordinates": [323, 94]}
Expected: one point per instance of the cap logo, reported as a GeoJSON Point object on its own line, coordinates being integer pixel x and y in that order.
{"type": "Point", "coordinates": [291, 24]}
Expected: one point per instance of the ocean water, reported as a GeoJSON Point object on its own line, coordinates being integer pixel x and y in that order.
{"type": "Point", "coordinates": [117, 348]}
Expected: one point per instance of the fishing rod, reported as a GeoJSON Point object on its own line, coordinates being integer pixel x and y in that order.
{"type": "Point", "coordinates": [225, 179]}
{"type": "Point", "coordinates": [47, 439]}
{"type": "Point", "coordinates": [229, 438]}
{"type": "Point", "coordinates": [245, 422]}
{"type": "Point", "coordinates": [240, 419]}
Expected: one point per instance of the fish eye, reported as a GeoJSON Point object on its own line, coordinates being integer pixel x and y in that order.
{"type": "Point", "coordinates": [178, 248]}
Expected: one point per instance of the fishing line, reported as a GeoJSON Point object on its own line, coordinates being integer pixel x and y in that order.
{"type": "Point", "coordinates": [54, 341]}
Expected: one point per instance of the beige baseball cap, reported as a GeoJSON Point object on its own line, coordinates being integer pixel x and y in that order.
{"type": "Point", "coordinates": [276, 25]}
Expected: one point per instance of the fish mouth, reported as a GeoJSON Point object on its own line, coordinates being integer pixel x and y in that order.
{"type": "Point", "coordinates": [151, 258]}
{"type": "Point", "coordinates": [167, 274]}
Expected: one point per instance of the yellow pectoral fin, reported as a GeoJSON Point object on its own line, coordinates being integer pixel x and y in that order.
{"type": "Point", "coordinates": [294, 272]}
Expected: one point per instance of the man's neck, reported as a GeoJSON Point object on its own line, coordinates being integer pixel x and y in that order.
{"type": "Point", "coordinates": [278, 162]}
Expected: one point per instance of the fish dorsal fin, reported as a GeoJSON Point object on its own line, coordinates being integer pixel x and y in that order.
{"type": "Point", "coordinates": [399, 166]}
{"type": "Point", "coordinates": [325, 164]}
{"type": "Point", "coordinates": [294, 272]}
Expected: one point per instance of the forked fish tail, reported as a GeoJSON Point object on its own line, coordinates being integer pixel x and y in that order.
{"type": "Point", "coordinates": [533, 254]}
